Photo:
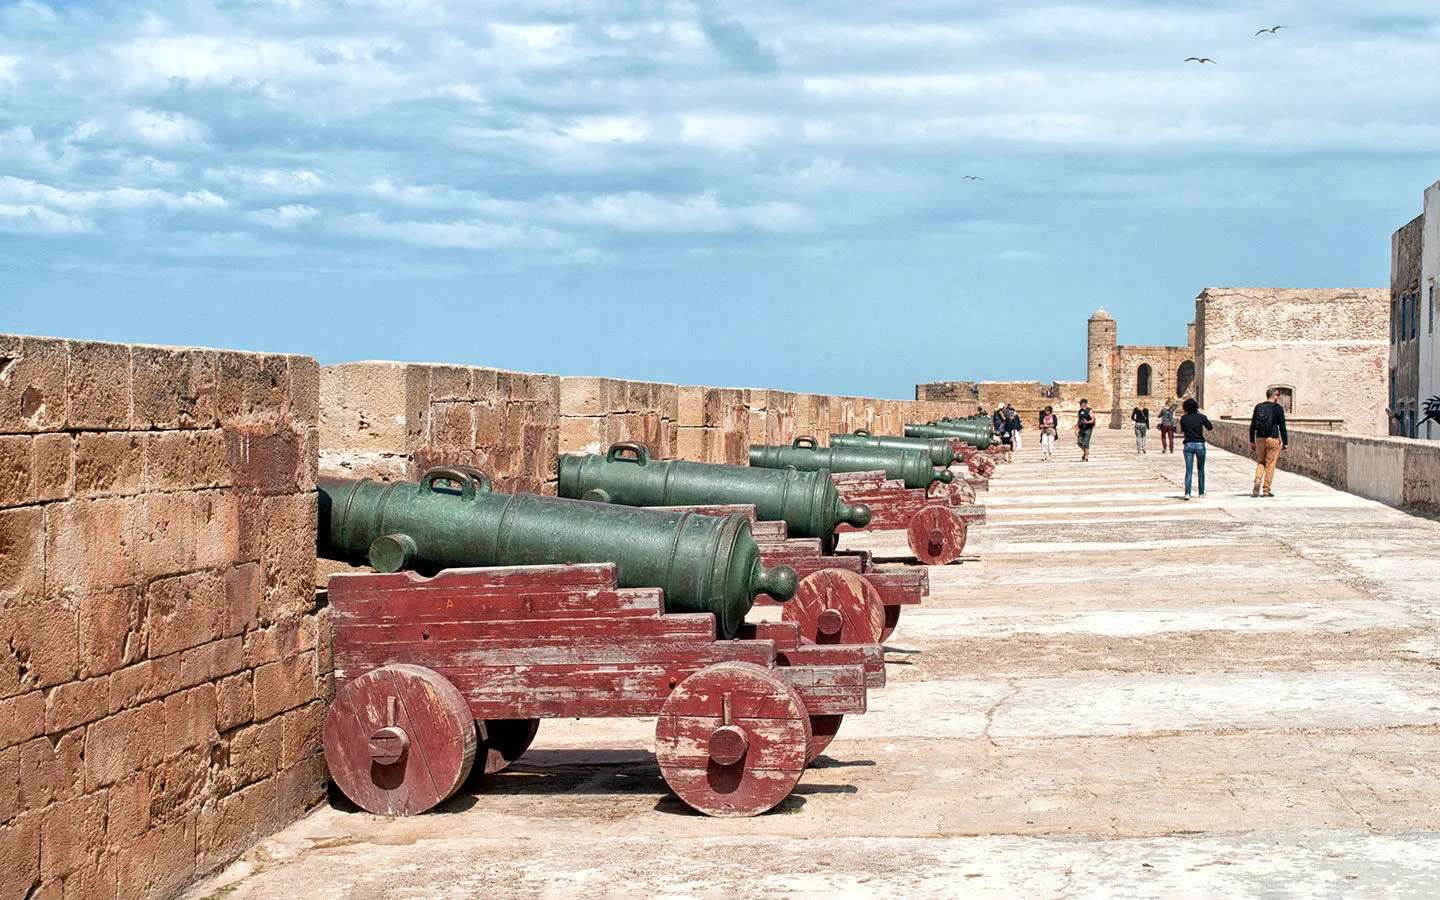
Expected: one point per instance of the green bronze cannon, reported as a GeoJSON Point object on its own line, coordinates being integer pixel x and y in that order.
{"type": "Point", "coordinates": [703, 563]}
{"type": "Point", "coordinates": [807, 502]}
{"type": "Point", "coordinates": [942, 452]}
{"type": "Point", "coordinates": [980, 436]}
{"type": "Point", "coordinates": [805, 454]}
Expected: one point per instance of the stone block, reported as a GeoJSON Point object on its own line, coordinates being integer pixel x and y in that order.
{"type": "Point", "coordinates": [234, 701]}
{"type": "Point", "coordinates": [451, 426]}
{"type": "Point", "coordinates": [529, 386]}
{"type": "Point", "coordinates": [22, 554]}
{"type": "Point", "coordinates": [51, 769]}
{"type": "Point", "coordinates": [158, 863]}
{"type": "Point", "coordinates": [266, 645]}
{"type": "Point", "coordinates": [9, 784]}
{"type": "Point", "coordinates": [586, 396]}
{"type": "Point", "coordinates": [112, 749]}
{"type": "Point", "coordinates": [163, 528]}
{"type": "Point", "coordinates": [99, 385]}
{"type": "Point", "coordinates": [190, 718]}
{"type": "Point", "coordinates": [367, 406]}
{"type": "Point", "coordinates": [90, 547]}
{"type": "Point", "coordinates": [22, 718]}
{"type": "Point", "coordinates": [109, 631]}
{"type": "Point", "coordinates": [304, 394]}
{"type": "Point", "coordinates": [300, 733]}
{"type": "Point", "coordinates": [489, 424]}
{"type": "Point", "coordinates": [183, 611]}
{"type": "Point", "coordinates": [109, 463]}
{"type": "Point", "coordinates": [268, 460]}
{"type": "Point", "coordinates": [76, 703]}
{"type": "Point", "coordinates": [187, 460]}
{"type": "Point", "coordinates": [583, 435]}
{"type": "Point", "coordinates": [211, 661]}
{"type": "Point", "coordinates": [244, 592]}
{"type": "Point", "coordinates": [33, 375]}
{"type": "Point", "coordinates": [17, 469]}
{"type": "Point", "coordinates": [146, 680]}
{"type": "Point", "coordinates": [227, 828]}
{"type": "Point", "coordinates": [42, 636]}
{"type": "Point", "coordinates": [176, 387]}
{"type": "Point", "coordinates": [72, 834]}
{"type": "Point", "coordinates": [255, 751]}
{"type": "Point", "coordinates": [284, 685]}
{"type": "Point", "coordinates": [20, 857]}
{"type": "Point", "coordinates": [288, 555]}
{"type": "Point", "coordinates": [449, 383]}
{"type": "Point", "coordinates": [218, 523]}
{"type": "Point", "coordinates": [54, 467]}
{"type": "Point", "coordinates": [301, 787]}
{"type": "Point", "coordinates": [128, 812]}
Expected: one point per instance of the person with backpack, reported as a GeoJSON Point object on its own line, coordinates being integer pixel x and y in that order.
{"type": "Point", "coordinates": [1013, 426]}
{"type": "Point", "coordinates": [1193, 426]}
{"type": "Point", "coordinates": [1049, 427]}
{"type": "Point", "coordinates": [1268, 439]}
{"type": "Point", "coordinates": [1140, 415]}
{"type": "Point", "coordinates": [1084, 426]}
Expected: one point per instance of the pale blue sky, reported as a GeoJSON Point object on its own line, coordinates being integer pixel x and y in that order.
{"type": "Point", "coordinates": [742, 193]}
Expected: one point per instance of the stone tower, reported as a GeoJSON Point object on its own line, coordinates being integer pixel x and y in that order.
{"type": "Point", "coordinates": [1100, 360]}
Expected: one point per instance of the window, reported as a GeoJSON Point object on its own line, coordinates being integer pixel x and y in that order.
{"type": "Point", "coordinates": [1394, 318]}
{"type": "Point", "coordinates": [1430, 312]}
{"type": "Point", "coordinates": [1404, 315]}
{"type": "Point", "coordinates": [1142, 380]}
{"type": "Point", "coordinates": [1185, 379]}
{"type": "Point", "coordinates": [1286, 397]}
{"type": "Point", "coordinates": [1414, 315]}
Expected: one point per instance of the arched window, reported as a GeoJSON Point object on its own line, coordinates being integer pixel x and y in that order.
{"type": "Point", "coordinates": [1185, 379]}
{"type": "Point", "coordinates": [1142, 380]}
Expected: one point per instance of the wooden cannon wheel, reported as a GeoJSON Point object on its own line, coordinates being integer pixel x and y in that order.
{"type": "Point", "coordinates": [836, 606]}
{"type": "Point", "coordinates": [399, 739]}
{"type": "Point", "coordinates": [892, 618]}
{"type": "Point", "coordinates": [958, 492]}
{"type": "Point", "coordinates": [936, 535]}
{"type": "Point", "coordinates": [822, 731]}
{"type": "Point", "coordinates": [499, 742]}
{"type": "Point", "coordinates": [732, 740]}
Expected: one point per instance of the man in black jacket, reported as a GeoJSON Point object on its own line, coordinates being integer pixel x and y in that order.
{"type": "Point", "coordinates": [1268, 439]}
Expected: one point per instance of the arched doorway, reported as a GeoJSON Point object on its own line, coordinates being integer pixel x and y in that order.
{"type": "Point", "coordinates": [1142, 380]}
{"type": "Point", "coordinates": [1185, 379]}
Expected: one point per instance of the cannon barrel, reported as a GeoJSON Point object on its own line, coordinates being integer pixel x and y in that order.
{"type": "Point", "coordinates": [979, 436]}
{"type": "Point", "coordinates": [807, 502]}
{"type": "Point", "coordinates": [911, 466]}
{"type": "Point", "coordinates": [942, 452]}
{"type": "Point", "coordinates": [703, 563]}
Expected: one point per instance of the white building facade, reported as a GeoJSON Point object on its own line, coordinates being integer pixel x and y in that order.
{"type": "Point", "coordinates": [1428, 416]}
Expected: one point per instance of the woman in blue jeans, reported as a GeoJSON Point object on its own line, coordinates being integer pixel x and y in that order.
{"type": "Point", "coordinates": [1193, 426]}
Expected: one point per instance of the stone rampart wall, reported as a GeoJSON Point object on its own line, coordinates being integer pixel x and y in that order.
{"type": "Point", "coordinates": [1399, 471]}
{"type": "Point", "coordinates": [391, 420]}
{"type": "Point", "coordinates": [163, 669]}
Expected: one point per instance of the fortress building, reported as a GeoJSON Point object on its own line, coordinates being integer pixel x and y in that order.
{"type": "Point", "coordinates": [1117, 379]}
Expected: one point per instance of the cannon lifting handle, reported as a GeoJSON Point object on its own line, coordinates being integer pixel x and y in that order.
{"type": "Point", "coordinates": [464, 476]}
{"type": "Point", "coordinates": [642, 452]}
{"type": "Point", "coordinates": [806, 441]}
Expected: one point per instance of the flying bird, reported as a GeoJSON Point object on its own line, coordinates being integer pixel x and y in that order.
{"type": "Point", "coordinates": [1201, 60]}
{"type": "Point", "coordinates": [972, 178]}
{"type": "Point", "coordinates": [1274, 30]}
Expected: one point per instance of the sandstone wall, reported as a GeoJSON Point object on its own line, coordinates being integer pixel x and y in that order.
{"type": "Point", "coordinates": [390, 420]}
{"type": "Point", "coordinates": [1330, 345]}
{"type": "Point", "coordinates": [1399, 471]}
{"type": "Point", "coordinates": [163, 669]}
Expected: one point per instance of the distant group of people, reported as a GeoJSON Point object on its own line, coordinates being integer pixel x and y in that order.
{"type": "Point", "coordinates": [1269, 437]}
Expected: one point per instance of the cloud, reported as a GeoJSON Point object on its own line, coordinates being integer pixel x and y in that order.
{"type": "Point", "coordinates": [289, 216]}
{"type": "Point", "coordinates": [165, 128]}
{"type": "Point", "coordinates": [737, 44]}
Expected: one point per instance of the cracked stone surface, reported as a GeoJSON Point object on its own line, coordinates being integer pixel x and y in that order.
{"type": "Point", "coordinates": [1115, 694]}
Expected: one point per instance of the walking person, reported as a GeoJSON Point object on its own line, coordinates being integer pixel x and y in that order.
{"type": "Point", "coordinates": [1015, 426]}
{"type": "Point", "coordinates": [1007, 437]}
{"type": "Point", "coordinates": [1084, 426]}
{"type": "Point", "coordinates": [1049, 427]}
{"type": "Point", "coordinates": [1193, 426]}
{"type": "Point", "coordinates": [1268, 439]}
{"type": "Point", "coordinates": [1167, 427]}
{"type": "Point", "coordinates": [1141, 417]}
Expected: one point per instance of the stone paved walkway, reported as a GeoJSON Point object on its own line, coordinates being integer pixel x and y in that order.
{"type": "Point", "coordinates": [1117, 694]}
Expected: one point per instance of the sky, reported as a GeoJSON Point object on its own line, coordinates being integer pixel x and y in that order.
{"type": "Point", "coordinates": [703, 192]}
